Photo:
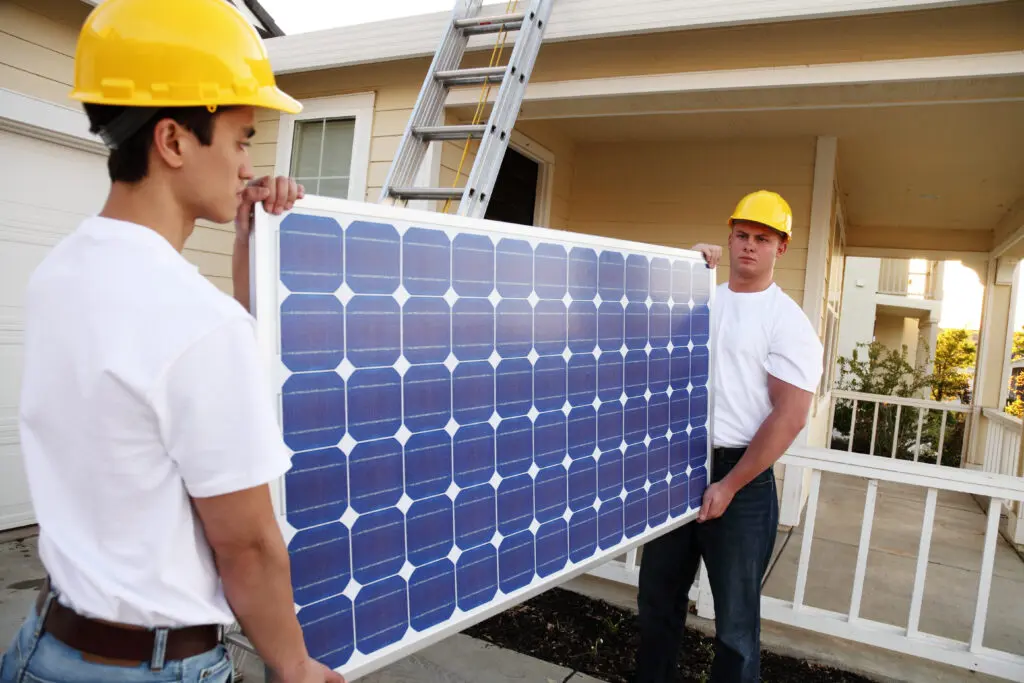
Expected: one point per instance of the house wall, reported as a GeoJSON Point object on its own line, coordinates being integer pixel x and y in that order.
{"type": "Point", "coordinates": [895, 332]}
{"type": "Point", "coordinates": [678, 193]}
{"type": "Point", "coordinates": [857, 324]}
{"type": "Point", "coordinates": [995, 27]}
{"type": "Point", "coordinates": [947, 31]}
{"type": "Point", "coordinates": [37, 47]}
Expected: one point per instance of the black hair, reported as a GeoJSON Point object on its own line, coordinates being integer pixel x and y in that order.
{"type": "Point", "coordinates": [129, 158]}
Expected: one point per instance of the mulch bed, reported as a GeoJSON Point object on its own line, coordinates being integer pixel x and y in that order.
{"type": "Point", "coordinates": [600, 640]}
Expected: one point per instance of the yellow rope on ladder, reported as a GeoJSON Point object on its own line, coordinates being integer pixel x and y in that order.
{"type": "Point", "coordinates": [485, 91]}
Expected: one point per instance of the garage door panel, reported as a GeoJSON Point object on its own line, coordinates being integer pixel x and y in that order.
{"type": "Point", "coordinates": [46, 189]}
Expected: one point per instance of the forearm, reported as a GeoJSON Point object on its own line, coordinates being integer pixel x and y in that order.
{"type": "Point", "coordinates": [257, 584]}
{"type": "Point", "coordinates": [775, 435]}
{"type": "Point", "coordinates": [240, 271]}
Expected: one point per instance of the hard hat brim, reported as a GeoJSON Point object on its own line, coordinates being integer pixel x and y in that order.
{"type": "Point", "coordinates": [269, 97]}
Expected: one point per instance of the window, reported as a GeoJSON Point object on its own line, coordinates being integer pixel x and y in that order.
{"type": "Point", "coordinates": [830, 346]}
{"type": "Point", "coordinates": [834, 299]}
{"type": "Point", "coordinates": [322, 156]}
{"type": "Point", "coordinates": [326, 147]}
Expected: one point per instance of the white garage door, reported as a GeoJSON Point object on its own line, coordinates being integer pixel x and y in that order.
{"type": "Point", "coordinates": [46, 188]}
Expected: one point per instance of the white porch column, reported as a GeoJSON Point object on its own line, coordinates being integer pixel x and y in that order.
{"type": "Point", "coordinates": [994, 346]}
{"type": "Point", "coordinates": [795, 480]}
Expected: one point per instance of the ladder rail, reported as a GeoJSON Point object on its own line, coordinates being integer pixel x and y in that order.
{"type": "Point", "coordinates": [426, 124]}
{"type": "Point", "coordinates": [429, 107]}
{"type": "Point", "coordinates": [505, 111]}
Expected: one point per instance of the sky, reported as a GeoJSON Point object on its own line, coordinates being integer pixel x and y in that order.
{"type": "Point", "coordinates": [962, 298]}
{"type": "Point", "coordinates": [302, 16]}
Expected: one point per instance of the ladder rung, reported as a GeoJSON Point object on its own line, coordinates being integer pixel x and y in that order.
{"type": "Point", "coordinates": [471, 76]}
{"type": "Point", "coordinates": [480, 25]}
{"type": "Point", "coordinates": [427, 192]}
{"type": "Point", "coordinates": [449, 132]}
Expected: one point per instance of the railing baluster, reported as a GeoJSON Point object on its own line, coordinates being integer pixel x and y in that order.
{"type": "Point", "coordinates": [920, 425]}
{"type": "Point", "coordinates": [988, 561]}
{"type": "Point", "coordinates": [942, 437]}
{"type": "Point", "coordinates": [862, 549]}
{"type": "Point", "coordinates": [922, 562]}
{"type": "Point", "coordinates": [896, 431]}
{"type": "Point", "coordinates": [988, 463]}
{"type": "Point", "coordinates": [805, 546]}
{"type": "Point", "coordinates": [874, 428]}
{"type": "Point", "coordinates": [853, 426]}
{"type": "Point", "coordinates": [631, 560]}
{"type": "Point", "coordinates": [1003, 469]}
{"type": "Point", "coordinates": [833, 402]}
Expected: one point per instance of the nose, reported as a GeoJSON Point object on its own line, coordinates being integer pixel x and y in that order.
{"type": "Point", "coordinates": [246, 172]}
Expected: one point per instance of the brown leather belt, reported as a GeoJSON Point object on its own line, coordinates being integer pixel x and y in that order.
{"type": "Point", "coordinates": [126, 644]}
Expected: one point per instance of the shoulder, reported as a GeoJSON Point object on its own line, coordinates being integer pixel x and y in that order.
{"type": "Point", "coordinates": [790, 320]}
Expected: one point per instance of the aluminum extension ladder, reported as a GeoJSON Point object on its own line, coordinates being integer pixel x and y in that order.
{"type": "Point", "coordinates": [426, 123]}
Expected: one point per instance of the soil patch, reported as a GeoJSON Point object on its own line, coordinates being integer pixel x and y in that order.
{"type": "Point", "coordinates": [595, 638]}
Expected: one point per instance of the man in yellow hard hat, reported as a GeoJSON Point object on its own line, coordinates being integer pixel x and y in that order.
{"type": "Point", "coordinates": [148, 428]}
{"type": "Point", "coordinates": [767, 362]}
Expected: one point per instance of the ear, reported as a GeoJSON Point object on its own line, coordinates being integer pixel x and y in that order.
{"type": "Point", "coordinates": [169, 143]}
{"type": "Point", "coordinates": [783, 247]}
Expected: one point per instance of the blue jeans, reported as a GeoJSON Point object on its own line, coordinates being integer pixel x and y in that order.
{"type": "Point", "coordinates": [737, 549]}
{"type": "Point", "coordinates": [37, 657]}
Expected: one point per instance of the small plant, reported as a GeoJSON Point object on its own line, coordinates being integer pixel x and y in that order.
{"type": "Point", "coordinates": [876, 369]}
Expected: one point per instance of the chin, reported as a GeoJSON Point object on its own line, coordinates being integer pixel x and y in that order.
{"type": "Point", "coordinates": [225, 214]}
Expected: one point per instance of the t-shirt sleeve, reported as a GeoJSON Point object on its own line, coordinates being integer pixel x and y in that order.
{"type": "Point", "coordinates": [217, 416]}
{"type": "Point", "coordinates": [795, 355]}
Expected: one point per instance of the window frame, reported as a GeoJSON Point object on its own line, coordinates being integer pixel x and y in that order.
{"type": "Point", "coordinates": [357, 106]}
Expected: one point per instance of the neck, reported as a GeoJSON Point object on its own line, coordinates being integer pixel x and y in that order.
{"type": "Point", "coordinates": [153, 206]}
{"type": "Point", "coordinates": [750, 284]}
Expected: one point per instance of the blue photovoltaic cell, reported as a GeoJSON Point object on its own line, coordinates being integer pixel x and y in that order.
{"type": "Point", "coordinates": [471, 414]}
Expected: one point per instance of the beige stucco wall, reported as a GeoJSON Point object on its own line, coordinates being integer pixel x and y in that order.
{"type": "Point", "coordinates": [680, 193]}
{"type": "Point", "coordinates": [37, 47]}
{"type": "Point", "coordinates": [948, 31]}
{"type": "Point", "coordinates": [895, 332]}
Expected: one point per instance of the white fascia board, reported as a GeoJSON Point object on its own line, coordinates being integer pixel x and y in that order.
{"type": "Point", "coordinates": [419, 36]}
{"type": "Point", "coordinates": [880, 71]}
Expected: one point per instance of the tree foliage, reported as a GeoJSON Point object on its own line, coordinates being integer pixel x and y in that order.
{"type": "Point", "coordinates": [955, 354]}
{"type": "Point", "coordinates": [1018, 346]}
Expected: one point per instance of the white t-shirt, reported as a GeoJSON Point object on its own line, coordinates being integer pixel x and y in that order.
{"type": "Point", "coordinates": [756, 335]}
{"type": "Point", "coordinates": [142, 386]}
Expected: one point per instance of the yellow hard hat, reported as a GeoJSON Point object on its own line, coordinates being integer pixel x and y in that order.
{"type": "Point", "coordinates": [174, 53]}
{"type": "Point", "coordinates": [768, 209]}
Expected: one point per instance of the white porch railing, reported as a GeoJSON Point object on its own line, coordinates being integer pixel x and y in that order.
{"type": "Point", "coordinates": [971, 655]}
{"type": "Point", "coordinates": [1002, 442]}
{"type": "Point", "coordinates": [1002, 455]}
{"type": "Point", "coordinates": [897, 427]}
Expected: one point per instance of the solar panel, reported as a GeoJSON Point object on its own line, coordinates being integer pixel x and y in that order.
{"type": "Point", "coordinates": [477, 412]}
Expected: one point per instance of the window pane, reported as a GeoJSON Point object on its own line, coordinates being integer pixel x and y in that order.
{"type": "Point", "coordinates": [306, 148]}
{"type": "Point", "coordinates": [334, 187]}
{"type": "Point", "coordinates": [338, 147]}
{"type": "Point", "coordinates": [310, 185]}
